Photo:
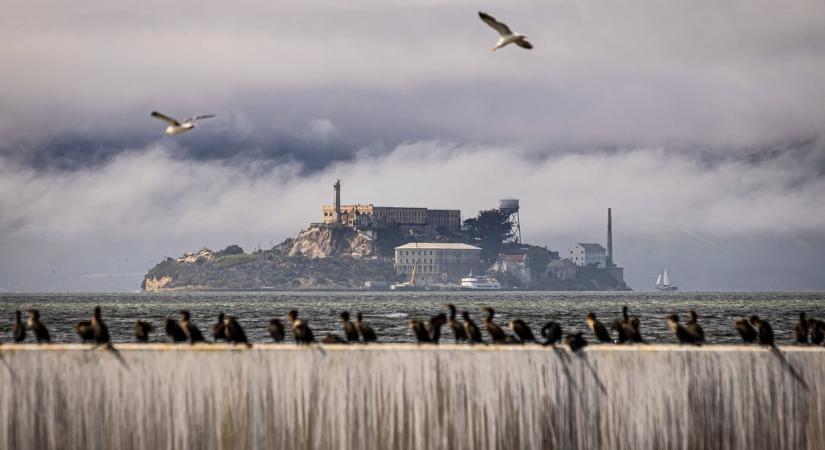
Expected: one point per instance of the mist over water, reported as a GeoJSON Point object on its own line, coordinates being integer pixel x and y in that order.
{"type": "Point", "coordinates": [388, 312]}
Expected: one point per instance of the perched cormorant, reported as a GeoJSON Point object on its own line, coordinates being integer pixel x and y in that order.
{"type": "Point", "coordinates": [575, 341]}
{"type": "Point", "coordinates": [765, 331]}
{"type": "Point", "coordinates": [367, 333]}
{"type": "Point", "coordinates": [621, 334]}
{"type": "Point", "coordinates": [470, 328]}
{"type": "Point", "coordinates": [83, 329]}
{"type": "Point", "coordinates": [694, 329]}
{"type": "Point", "coordinates": [817, 328]}
{"type": "Point", "coordinates": [219, 329]}
{"type": "Point", "coordinates": [100, 330]}
{"type": "Point", "coordinates": [142, 330]}
{"type": "Point", "coordinates": [18, 330]}
{"type": "Point", "coordinates": [300, 329]}
{"type": "Point", "coordinates": [193, 333]}
{"type": "Point", "coordinates": [420, 331]}
{"type": "Point", "coordinates": [37, 327]}
{"type": "Point", "coordinates": [276, 330]}
{"type": "Point", "coordinates": [598, 328]}
{"type": "Point", "coordinates": [495, 331]}
{"type": "Point", "coordinates": [350, 331]}
{"type": "Point", "coordinates": [801, 329]}
{"type": "Point", "coordinates": [455, 325]}
{"type": "Point", "coordinates": [436, 322]}
{"type": "Point", "coordinates": [681, 333]}
{"type": "Point", "coordinates": [630, 326]}
{"type": "Point", "coordinates": [745, 330]}
{"type": "Point", "coordinates": [551, 332]}
{"type": "Point", "coordinates": [520, 328]}
{"type": "Point", "coordinates": [333, 339]}
{"type": "Point", "coordinates": [234, 331]}
{"type": "Point", "coordinates": [174, 331]}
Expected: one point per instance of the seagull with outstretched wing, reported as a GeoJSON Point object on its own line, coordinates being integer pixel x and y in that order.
{"type": "Point", "coordinates": [506, 35]}
{"type": "Point", "coordinates": [177, 127]}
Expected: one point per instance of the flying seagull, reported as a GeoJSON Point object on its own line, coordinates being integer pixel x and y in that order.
{"type": "Point", "coordinates": [507, 35]}
{"type": "Point", "coordinates": [176, 127]}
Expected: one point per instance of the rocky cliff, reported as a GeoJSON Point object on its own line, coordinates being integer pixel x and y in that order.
{"type": "Point", "coordinates": [323, 242]}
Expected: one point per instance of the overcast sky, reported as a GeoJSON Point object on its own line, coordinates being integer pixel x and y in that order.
{"type": "Point", "coordinates": [699, 122]}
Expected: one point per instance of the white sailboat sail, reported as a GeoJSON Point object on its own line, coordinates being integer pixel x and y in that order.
{"type": "Point", "coordinates": [665, 279]}
{"type": "Point", "coordinates": [659, 281]}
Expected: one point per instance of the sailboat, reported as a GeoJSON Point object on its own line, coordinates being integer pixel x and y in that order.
{"type": "Point", "coordinates": [663, 282]}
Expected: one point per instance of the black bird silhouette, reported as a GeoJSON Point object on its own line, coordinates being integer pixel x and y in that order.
{"type": "Point", "coordinates": [618, 327]}
{"type": "Point", "coordinates": [575, 341]}
{"type": "Point", "coordinates": [598, 328]}
{"type": "Point", "coordinates": [681, 333]}
{"type": "Point", "coordinates": [193, 333]}
{"type": "Point", "coordinates": [551, 332]}
{"type": "Point", "coordinates": [694, 329]}
{"type": "Point", "coordinates": [631, 327]}
{"type": "Point", "coordinates": [174, 331]}
{"type": "Point", "coordinates": [300, 328]}
{"type": "Point", "coordinates": [495, 331]}
{"type": "Point", "coordinates": [817, 328]}
{"type": "Point", "coordinates": [420, 331]}
{"type": "Point", "coordinates": [458, 329]}
{"type": "Point", "coordinates": [745, 330]}
{"type": "Point", "coordinates": [472, 331]}
{"type": "Point", "coordinates": [367, 333]}
{"type": "Point", "coordinates": [83, 328]}
{"type": "Point", "coordinates": [350, 331]}
{"type": "Point", "coordinates": [37, 327]}
{"type": "Point", "coordinates": [99, 329]}
{"type": "Point", "coordinates": [234, 331]}
{"type": "Point", "coordinates": [142, 330]}
{"type": "Point", "coordinates": [219, 329]}
{"type": "Point", "coordinates": [18, 329]}
{"type": "Point", "coordinates": [434, 331]}
{"type": "Point", "coordinates": [520, 328]}
{"type": "Point", "coordinates": [801, 330]}
{"type": "Point", "coordinates": [276, 330]}
{"type": "Point", "coordinates": [765, 331]}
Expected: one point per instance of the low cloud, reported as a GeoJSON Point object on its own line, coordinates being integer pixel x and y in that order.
{"type": "Point", "coordinates": [167, 204]}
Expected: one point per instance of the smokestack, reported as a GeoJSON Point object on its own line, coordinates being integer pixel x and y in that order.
{"type": "Point", "coordinates": [609, 238]}
{"type": "Point", "coordinates": [337, 187]}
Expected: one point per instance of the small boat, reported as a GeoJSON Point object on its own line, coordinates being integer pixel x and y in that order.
{"type": "Point", "coordinates": [663, 282]}
{"type": "Point", "coordinates": [406, 285]}
{"type": "Point", "coordinates": [479, 283]}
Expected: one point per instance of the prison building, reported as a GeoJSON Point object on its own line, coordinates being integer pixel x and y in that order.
{"type": "Point", "coordinates": [436, 262]}
{"type": "Point", "coordinates": [588, 255]}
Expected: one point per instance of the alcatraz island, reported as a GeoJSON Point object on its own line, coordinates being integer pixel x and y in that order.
{"type": "Point", "coordinates": [362, 246]}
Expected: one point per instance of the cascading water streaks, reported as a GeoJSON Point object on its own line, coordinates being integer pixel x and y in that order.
{"type": "Point", "coordinates": [412, 397]}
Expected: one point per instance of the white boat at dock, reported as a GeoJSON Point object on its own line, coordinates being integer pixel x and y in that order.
{"type": "Point", "coordinates": [479, 283]}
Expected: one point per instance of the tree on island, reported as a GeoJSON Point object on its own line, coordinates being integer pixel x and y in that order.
{"type": "Point", "coordinates": [232, 250]}
{"type": "Point", "coordinates": [489, 229]}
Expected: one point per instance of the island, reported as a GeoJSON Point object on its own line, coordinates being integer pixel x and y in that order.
{"type": "Point", "coordinates": [362, 246]}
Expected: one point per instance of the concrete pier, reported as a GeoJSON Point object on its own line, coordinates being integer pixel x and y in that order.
{"type": "Point", "coordinates": [409, 396]}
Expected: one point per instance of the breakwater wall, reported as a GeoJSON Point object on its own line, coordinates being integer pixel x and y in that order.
{"type": "Point", "coordinates": [411, 397]}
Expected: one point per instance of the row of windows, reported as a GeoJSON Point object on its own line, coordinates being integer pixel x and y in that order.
{"type": "Point", "coordinates": [438, 253]}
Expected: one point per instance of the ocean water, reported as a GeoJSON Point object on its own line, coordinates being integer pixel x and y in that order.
{"type": "Point", "coordinates": [388, 312]}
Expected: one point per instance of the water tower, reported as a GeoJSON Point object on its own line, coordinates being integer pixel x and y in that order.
{"type": "Point", "coordinates": [510, 207]}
